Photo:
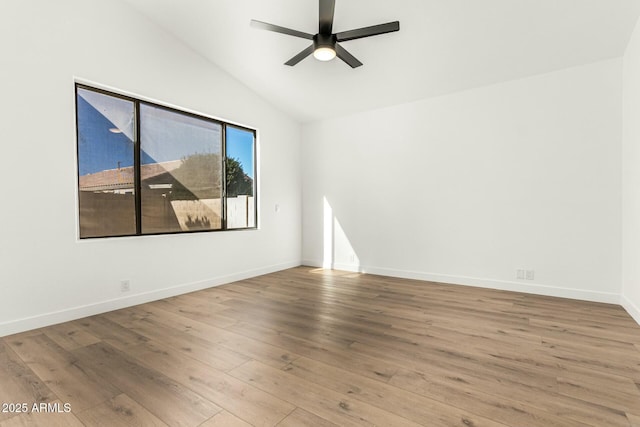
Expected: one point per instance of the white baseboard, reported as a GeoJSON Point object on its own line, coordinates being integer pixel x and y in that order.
{"type": "Point", "coordinates": [48, 319]}
{"type": "Point", "coordinates": [52, 318]}
{"type": "Point", "coordinates": [632, 309]}
{"type": "Point", "coordinates": [505, 285]}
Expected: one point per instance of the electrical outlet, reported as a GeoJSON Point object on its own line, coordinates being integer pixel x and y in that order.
{"type": "Point", "coordinates": [125, 286]}
{"type": "Point", "coordinates": [520, 274]}
{"type": "Point", "coordinates": [352, 258]}
{"type": "Point", "coordinates": [529, 275]}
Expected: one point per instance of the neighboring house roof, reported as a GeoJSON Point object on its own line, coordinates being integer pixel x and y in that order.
{"type": "Point", "coordinates": [122, 178]}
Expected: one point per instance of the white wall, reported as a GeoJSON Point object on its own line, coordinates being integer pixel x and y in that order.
{"type": "Point", "coordinates": [631, 178]}
{"type": "Point", "coordinates": [468, 188]}
{"type": "Point", "coordinates": [46, 274]}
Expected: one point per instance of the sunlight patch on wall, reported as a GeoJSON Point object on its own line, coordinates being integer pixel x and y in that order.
{"type": "Point", "coordinates": [338, 252]}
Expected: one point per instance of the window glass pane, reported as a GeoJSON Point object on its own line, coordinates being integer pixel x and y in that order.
{"type": "Point", "coordinates": [105, 164]}
{"type": "Point", "coordinates": [180, 171]}
{"type": "Point", "coordinates": [240, 150]}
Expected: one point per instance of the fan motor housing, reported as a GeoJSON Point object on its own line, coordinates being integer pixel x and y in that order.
{"type": "Point", "coordinates": [324, 40]}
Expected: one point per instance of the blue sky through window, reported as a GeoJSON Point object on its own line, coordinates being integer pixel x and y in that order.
{"type": "Point", "coordinates": [240, 146]}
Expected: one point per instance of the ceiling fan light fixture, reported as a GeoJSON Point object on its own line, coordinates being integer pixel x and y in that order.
{"type": "Point", "coordinates": [324, 53]}
{"type": "Point", "coordinates": [326, 45]}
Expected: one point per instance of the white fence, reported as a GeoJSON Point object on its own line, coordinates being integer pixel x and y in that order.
{"type": "Point", "coordinates": [241, 212]}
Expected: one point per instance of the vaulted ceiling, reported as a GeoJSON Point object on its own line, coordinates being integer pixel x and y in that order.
{"type": "Point", "coordinates": [443, 46]}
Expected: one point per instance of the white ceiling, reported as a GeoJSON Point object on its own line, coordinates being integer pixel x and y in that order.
{"type": "Point", "coordinates": [443, 45]}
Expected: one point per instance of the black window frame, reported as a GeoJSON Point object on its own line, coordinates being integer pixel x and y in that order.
{"type": "Point", "coordinates": [137, 164]}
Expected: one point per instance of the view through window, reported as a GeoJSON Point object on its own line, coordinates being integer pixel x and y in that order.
{"type": "Point", "coordinates": [149, 169]}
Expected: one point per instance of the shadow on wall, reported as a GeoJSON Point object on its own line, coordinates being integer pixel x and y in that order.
{"type": "Point", "coordinates": [338, 252]}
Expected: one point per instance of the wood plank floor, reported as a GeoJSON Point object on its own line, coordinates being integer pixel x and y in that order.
{"type": "Point", "coordinates": [309, 347]}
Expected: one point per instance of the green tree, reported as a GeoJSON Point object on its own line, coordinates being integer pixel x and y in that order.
{"type": "Point", "coordinates": [198, 177]}
{"type": "Point", "coordinates": [238, 183]}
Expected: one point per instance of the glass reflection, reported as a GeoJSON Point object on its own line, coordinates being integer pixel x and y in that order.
{"type": "Point", "coordinates": [180, 171]}
{"type": "Point", "coordinates": [105, 165]}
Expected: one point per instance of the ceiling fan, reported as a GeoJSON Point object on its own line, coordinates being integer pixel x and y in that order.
{"type": "Point", "coordinates": [325, 45]}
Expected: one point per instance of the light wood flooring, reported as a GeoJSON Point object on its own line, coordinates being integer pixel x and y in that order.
{"type": "Point", "coordinates": [308, 347]}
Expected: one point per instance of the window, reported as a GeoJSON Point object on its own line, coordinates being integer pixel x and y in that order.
{"type": "Point", "coordinates": [240, 178]}
{"type": "Point", "coordinates": [148, 169]}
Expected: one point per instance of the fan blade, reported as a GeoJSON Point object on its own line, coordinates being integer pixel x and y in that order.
{"type": "Point", "coordinates": [374, 30]}
{"type": "Point", "coordinates": [276, 28]}
{"type": "Point", "coordinates": [327, 8]}
{"type": "Point", "coordinates": [299, 57]}
{"type": "Point", "coordinates": [347, 57]}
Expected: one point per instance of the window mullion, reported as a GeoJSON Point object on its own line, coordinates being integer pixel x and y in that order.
{"type": "Point", "coordinates": [136, 168]}
{"type": "Point", "coordinates": [223, 201]}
